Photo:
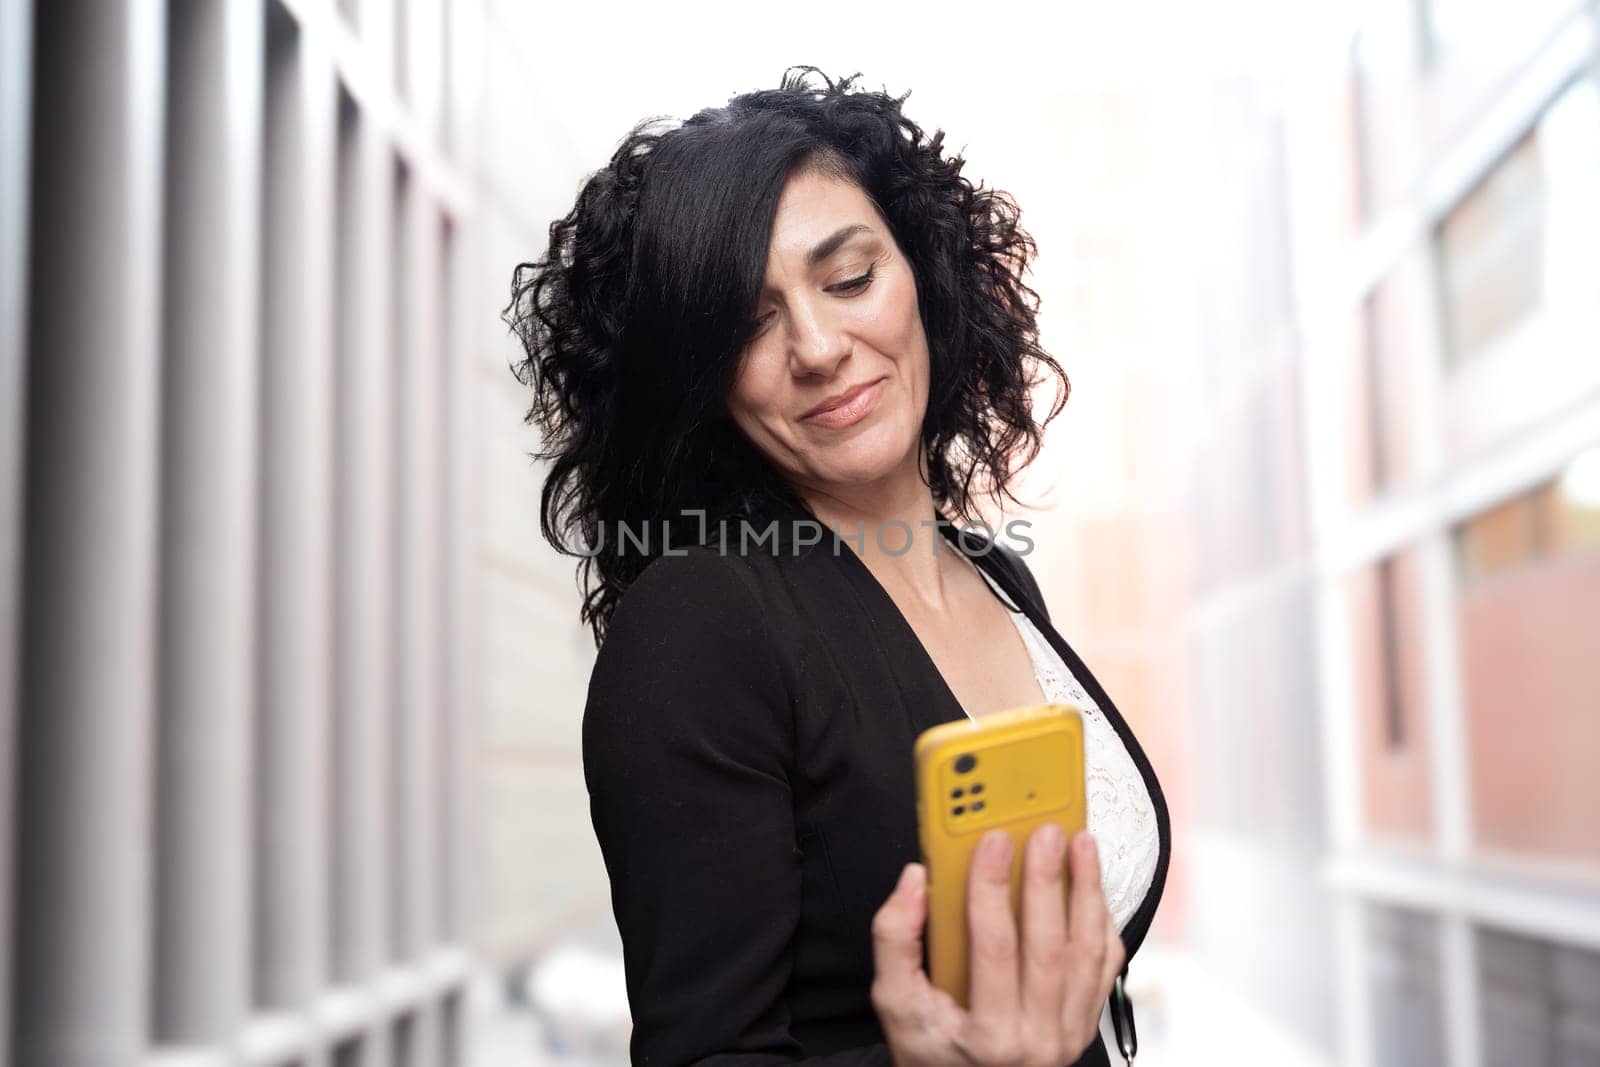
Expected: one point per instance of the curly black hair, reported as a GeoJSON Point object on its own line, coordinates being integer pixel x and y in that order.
{"type": "Point", "coordinates": [634, 319]}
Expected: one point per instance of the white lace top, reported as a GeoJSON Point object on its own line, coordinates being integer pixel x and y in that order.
{"type": "Point", "coordinates": [1121, 816]}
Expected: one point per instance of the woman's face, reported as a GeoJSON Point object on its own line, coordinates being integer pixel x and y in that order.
{"type": "Point", "coordinates": [833, 385]}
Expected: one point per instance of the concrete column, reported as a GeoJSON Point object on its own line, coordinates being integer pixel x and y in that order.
{"type": "Point", "coordinates": [209, 460]}
{"type": "Point", "coordinates": [418, 586]}
{"type": "Point", "coordinates": [364, 552]}
{"type": "Point", "coordinates": [16, 126]}
{"type": "Point", "coordinates": [467, 335]}
{"type": "Point", "coordinates": [456, 536]}
{"type": "Point", "coordinates": [297, 521]}
{"type": "Point", "coordinates": [419, 632]}
{"type": "Point", "coordinates": [88, 614]}
{"type": "Point", "coordinates": [459, 702]}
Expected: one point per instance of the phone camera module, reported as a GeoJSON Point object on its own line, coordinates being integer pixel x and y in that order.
{"type": "Point", "coordinates": [965, 763]}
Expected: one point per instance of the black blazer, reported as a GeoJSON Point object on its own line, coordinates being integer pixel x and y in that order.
{"type": "Point", "coordinates": [747, 750]}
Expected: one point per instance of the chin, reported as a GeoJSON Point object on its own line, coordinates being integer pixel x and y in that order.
{"type": "Point", "coordinates": [866, 458]}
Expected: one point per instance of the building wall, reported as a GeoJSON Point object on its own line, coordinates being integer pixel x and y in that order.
{"type": "Point", "coordinates": [540, 873]}
{"type": "Point", "coordinates": [1441, 201]}
{"type": "Point", "coordinates": [241, 766]}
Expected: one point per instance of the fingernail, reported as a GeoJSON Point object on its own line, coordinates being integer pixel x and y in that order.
{"type": "Point", "coordinates": [1052, 840]}
{"type": "Point", "coordinates": [1088, 847]}
{"type": "Point", "coordinates": [905, 879]}
{"type": "Point", "coordinates": [997, 844]}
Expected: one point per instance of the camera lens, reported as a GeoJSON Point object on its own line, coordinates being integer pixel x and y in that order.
{"type": "Point", "coordinates": [965, 763]}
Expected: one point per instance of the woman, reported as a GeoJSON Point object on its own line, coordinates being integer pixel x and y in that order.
{"type": "Point", "coordinates": [773, 350]}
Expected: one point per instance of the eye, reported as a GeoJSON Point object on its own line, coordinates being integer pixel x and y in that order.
{"type": "Point", "coordinates": [760, 324]}
{"type": "Point", "coordinates": [854, 285]}
{"type": "Point", "coordinates": [849, 287]}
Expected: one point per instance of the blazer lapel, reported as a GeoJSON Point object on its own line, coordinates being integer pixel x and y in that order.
{"type": "Point", "coordinates": [889, 651]}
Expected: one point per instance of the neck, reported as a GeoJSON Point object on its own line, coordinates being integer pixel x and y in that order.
{"type": "Point", "coordinates": [890, 525]}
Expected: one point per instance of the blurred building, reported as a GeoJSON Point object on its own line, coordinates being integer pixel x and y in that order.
{"type": "Point", "coordinates": [288, 751]}
{"type": "Point", "coordinates": [1448, 239]}
{"type": "Point", "coordinates": [1175, 543]}
{"type": "Point", "coordinates": [289, 747]}
{"type": "Point", "coordinates": [240, 531]}
{"type": "Point", "coordinates": [1324, 514]}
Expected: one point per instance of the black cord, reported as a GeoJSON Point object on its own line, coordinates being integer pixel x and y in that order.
{"type": "Point", "coordinates": [1122, 1019]}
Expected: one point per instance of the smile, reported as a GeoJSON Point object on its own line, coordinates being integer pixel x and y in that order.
{"type": "Point", "coordinates": [854, 406]}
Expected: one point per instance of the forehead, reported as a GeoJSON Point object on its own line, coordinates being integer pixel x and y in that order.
{"type": "Point", "coordinates": [812, 207]}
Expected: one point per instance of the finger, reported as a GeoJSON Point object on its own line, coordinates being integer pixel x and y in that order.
{"type": "Point", "coordinates": [1086, 933]}
{"type": "Point", "coordinates": [1044, 929]}
{"type": "Point", "coordinates": [1116, 956]}
{"type": "Point", "coordinates": [991, 933]}
{"type": "Point", "coordinates": [897, 943]}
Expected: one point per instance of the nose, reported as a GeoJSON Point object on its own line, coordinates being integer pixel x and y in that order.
{"type": "Point", "coordinates": [817, 340]}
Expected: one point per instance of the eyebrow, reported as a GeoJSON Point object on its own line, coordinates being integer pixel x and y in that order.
{"type": "Point", "coordinates": [829, 245]}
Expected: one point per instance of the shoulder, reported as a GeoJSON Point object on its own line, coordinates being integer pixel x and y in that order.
{"type": "Point", "coordinates": [1011, 561]}
{"type": "Point", "coordinates": [693, 602]}
{"type": "Point", "coordinates": [691, 626]}
{"type": "Point", "coordinates": [697, 583]}
{"type": "Point", "coordinates": [687, 678]}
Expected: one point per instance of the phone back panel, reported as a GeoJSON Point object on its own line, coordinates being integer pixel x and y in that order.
{"type": "Point", "coordinates": [1015, 770]}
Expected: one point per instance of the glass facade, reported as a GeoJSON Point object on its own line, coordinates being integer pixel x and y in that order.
{"type": "Point", "coordinates": [1396, 777]}
{"type": "Point", "coordinates": [1467, 538]}
{"type": "Point", "coordinates": [1526, 237]}
{"type": "Point", "coordinates": [1404, 979]}
{"type": "Point", "coordinates": [1529, 612]}
{"type": "Point", "coordinates": [1539, 1002]}
{"type": "Point", "coordinates": [1385, 381]}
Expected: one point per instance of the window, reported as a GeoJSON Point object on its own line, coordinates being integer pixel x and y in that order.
{"type": "Point", "coordinates": [1526, 237]}
{"type": "Point", "coordinates": [1403, 983]}
{"type": "Point", "coordinates": [1393, 343]}
{"type": "Point", "coordinates": [1539, 1003]}
{"type": "Point", "coordinates": [1391, 698]}
{"type": "Point", "coordinates": [1559, 518]}
{"type": "Point", "coordinates": [1529, 612]}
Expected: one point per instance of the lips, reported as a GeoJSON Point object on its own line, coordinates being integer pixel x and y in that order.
{"type": "Point", "coordinates": [840, 400]}
{"type": "Point", "coordinates": [848, 408]}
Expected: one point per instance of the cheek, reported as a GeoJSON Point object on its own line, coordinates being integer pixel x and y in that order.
{"type": "Point", "coordinates": [902, 310]}
{"type": "Point", "coordinates": [756, 396]}
{"type": "Point", "coordinates": [910, 341]}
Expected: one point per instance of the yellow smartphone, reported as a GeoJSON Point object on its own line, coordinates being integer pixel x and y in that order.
{"type": "Point", "coordinates": [1015, 770]}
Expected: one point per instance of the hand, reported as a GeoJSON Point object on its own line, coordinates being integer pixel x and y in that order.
{"type": "Point", "coordinates": [1035, 992]}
